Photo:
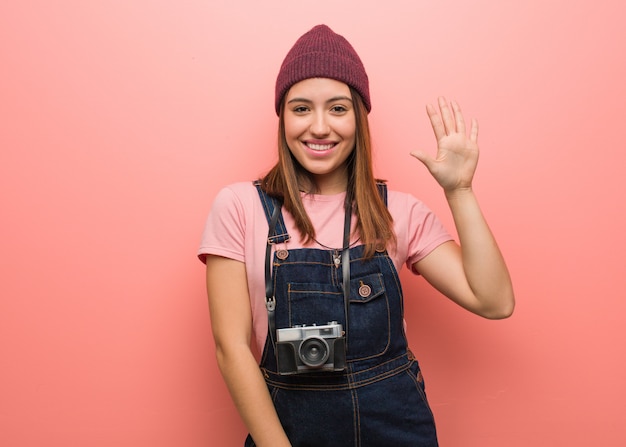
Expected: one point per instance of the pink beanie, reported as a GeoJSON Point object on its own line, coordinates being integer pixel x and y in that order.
{"type": "Point", "coordinates": [321, 53]}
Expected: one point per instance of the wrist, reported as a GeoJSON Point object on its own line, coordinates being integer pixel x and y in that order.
{"type": "Point", "coordinates": [459, 193]}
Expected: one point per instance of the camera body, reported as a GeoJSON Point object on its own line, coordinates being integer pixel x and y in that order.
{"type": "Point", "coordinates": [312, 348]}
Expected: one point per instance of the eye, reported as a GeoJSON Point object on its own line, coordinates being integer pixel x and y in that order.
{"type": "Point", "coordinates": [339, 109]}
{"type": "Point", "coordinates": [300, 109]}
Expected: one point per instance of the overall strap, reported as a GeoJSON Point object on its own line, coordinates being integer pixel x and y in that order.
{"type": "Point", "coordinates": [278, 233]}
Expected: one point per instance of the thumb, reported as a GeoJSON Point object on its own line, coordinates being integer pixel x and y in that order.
{"type": "Point", "coordinates": [422, 156]}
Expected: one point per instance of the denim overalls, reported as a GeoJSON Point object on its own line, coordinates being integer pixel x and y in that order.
{"type": "Point", "coordinates": [378, 400]}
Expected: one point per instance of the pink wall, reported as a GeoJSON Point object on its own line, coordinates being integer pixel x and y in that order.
{"type": "Point", "coordinates": [119, 121]}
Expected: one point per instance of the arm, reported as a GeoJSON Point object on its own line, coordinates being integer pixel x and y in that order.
{"type": "Point", "coordinates": [474, 274]}
{"type": "Point", "coordinates": [231, 322]}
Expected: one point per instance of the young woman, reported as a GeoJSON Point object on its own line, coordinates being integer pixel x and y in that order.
{"type": "Point", "coordinates": [303, 265]}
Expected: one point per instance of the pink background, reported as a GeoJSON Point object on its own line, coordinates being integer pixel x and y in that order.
{"type": "Point", "coordinates": [120, 120]}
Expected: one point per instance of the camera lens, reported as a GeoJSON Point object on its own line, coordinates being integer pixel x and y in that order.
{"type": "Point", "coordinates": [314, 352]}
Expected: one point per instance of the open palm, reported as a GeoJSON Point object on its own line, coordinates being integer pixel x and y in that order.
{"type": "Point", "coordinates": [457, 153]}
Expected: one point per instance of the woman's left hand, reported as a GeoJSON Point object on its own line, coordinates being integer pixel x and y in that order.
{"type": "Point", "coordinates": [457, 153]}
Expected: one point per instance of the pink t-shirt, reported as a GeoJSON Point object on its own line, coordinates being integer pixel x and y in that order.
{"type": "Point", "coordinates": [237, 229]}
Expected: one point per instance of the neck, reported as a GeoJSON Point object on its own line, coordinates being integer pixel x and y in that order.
{"type": "Point", "coordinates": [325, 185]}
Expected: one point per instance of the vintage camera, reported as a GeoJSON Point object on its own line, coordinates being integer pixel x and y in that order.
{"type": "Point", "coordinates": [311, 348]}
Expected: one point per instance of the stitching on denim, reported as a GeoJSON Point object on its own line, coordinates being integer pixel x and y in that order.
{"type": "Point", "coordinates": [384, 351]}
{"type": "Point", "coordinates": [274, 395]}
{"type": "Point", "coordinates": [395, 276]}
{"type": "Point", "coordinates": [419, 388]}
{"type": "Point", "coordinates": [356, 414]}
{"type": "Point", "coordinates": [376, 289]}
{"type": "Point", "coordinates": [289, 304]}
{"type": "Point", "coordinates": [319, 292]}
{"type": "Point", "coordinates": [279, 234]}
{"type": "Point", "coordinates": [326, 387]}
{"type": "Point", "coordinates": [290, 262]}
{"type": "Point", "coordinates": [352, 379]}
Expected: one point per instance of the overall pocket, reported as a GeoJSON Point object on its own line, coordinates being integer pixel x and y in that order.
{"type": "Point", "coordinates": [314, 303]}
{"type": "Point", "coordinates": [369, 330]}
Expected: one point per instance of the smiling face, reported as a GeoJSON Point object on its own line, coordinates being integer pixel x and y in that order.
{"type": "Point", "coordinates": [320, 130]}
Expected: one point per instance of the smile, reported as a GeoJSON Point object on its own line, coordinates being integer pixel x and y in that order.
{"type": "Point", "coordinates": [320, 147]}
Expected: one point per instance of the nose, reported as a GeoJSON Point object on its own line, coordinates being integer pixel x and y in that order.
{"type": "Point", "coordinates": [319, 125]}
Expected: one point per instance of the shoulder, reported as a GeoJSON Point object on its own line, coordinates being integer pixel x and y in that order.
{"type": "Point", "coordinates": [418, 229]}
{"type": "Point", "coordinates": [404, 204]}
{"type": "Point", "coordinates": [234, 216]}
{"type": "Point", "coordinates": [236, 203]}
{"type": "Point", "coordinates": [243, 190]}
{"type": "Point", "coordinates": [412, 215]}
{"type": "Point", "coordinates": [236, 194]}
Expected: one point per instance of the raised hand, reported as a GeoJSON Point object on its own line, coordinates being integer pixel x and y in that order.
{"type": "Point", "coordinates": [457, 153]}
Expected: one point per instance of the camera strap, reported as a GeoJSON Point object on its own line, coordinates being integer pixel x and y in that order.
{"type": "Point", "coordinates": [345, 262]}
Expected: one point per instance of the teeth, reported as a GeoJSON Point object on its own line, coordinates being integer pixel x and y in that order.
{"type": "Point", "coordinates": [319, 147]}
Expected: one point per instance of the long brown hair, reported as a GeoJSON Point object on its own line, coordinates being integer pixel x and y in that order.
{"type": "Point", "coordinates": [374, 222]}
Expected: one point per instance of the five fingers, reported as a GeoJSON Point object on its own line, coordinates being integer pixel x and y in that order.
{"type": "Point", "coordinates": [449, 120]}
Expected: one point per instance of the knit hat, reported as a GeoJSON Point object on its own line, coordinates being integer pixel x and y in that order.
{"type": "Point", "coordinates": [321, 53]}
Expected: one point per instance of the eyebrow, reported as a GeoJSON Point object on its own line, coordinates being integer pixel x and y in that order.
{"type": "Point", "coordinates": [333, 99]}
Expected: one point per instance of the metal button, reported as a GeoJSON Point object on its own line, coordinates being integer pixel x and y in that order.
{"type": "Point", "coordinates": [380, 247]}
{"type": "Point", "coordinates": [365, 290]}
{"type": "Point", "coordinates": [282, 254]}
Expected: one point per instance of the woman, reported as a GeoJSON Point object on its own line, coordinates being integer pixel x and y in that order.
{"type": "Point", "coordinates": [304, 262]}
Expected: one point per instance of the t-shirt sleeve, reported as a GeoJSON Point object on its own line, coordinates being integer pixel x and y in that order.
{"type": "Point", "coordinates": [224, 231]}
{"type": "Point", "coordinates": [425, 232]}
